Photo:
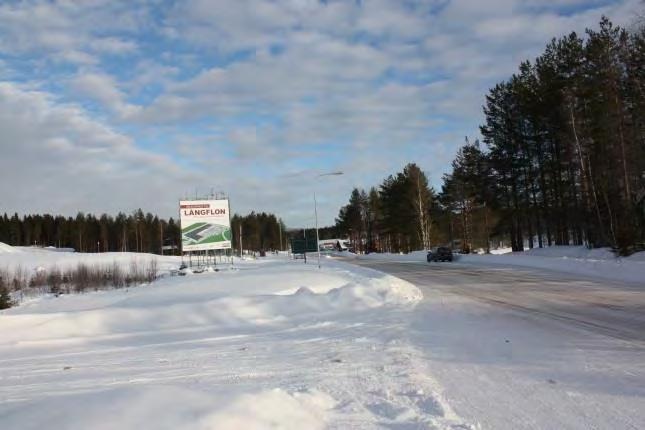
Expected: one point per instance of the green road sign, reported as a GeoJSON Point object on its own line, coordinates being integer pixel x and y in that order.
{"type": "Point", "coordinates": [300, 246]}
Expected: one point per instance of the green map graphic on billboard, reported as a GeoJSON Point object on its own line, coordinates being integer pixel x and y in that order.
{"type": "Point", "coordinates": [200, 233]}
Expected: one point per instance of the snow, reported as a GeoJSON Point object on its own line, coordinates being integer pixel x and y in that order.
{"type": "Point", "coordinates": [598, 263]}
{"type": "Point", "coordinates": [276, 343]}
{"type": "Point", "coordinates": [54, 249]}
{"type": "Point", "coordinates": [499, 251]}
{"type": "Point", "coordinates": [6, 249]}
{"type": "Point", "coordinates": [269, 343]}
{"type": "Point", "coordinates": [172, 407]}
{"type": "Point", "coordinates": [401, 257]}
{"type": "Point", "coordinates": [516, 348]}
{"type": "Point", "coordinates": [506, 369]}
{"type": "Point", "coordinates": [32, 258]}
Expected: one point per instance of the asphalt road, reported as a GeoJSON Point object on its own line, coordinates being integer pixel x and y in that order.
{"type": "Point", "coordinates": [609, 308]}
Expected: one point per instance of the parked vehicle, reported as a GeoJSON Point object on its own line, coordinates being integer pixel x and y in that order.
{"type": "Point", "coordinates": [440, 254]}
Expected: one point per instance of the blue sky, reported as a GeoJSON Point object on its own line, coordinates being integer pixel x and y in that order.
{"type": "Point", "coordinates": [108, 106]}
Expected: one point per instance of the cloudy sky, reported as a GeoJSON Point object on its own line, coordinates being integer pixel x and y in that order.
{"type": "Point", "coordinates": [108, 106]}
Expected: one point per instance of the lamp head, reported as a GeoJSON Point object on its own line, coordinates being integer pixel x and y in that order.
{"type": "Point", "coordinates": [331, 174]}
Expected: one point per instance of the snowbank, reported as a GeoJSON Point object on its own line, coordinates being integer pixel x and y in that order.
{"type": "Point", "coordinates": [170, 407]}
{"type": "Point", "coordinates": [498, 251]}
{"type": "Point", "coordinates": [412, 256]}
{"type": "Point", "coordinates": [203, 301]}
{"type": "Point", "coordinates": [54, 249]}
{"type": "Point", "coordinates": [596, 263]}
{"type": "Point", "coordinates": [6, 249]}
{"type": "Point", "coordinates": [272, 343]}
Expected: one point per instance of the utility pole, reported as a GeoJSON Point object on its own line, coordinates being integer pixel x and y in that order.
{"type": "Point", "coordinates": [304, 233]}
{"type": "Point", "coordinates": [488, 229]}
{"type": "Point", "coordinates": [317, 237]}
{"type": "Point", "coordinates": [316, 216]}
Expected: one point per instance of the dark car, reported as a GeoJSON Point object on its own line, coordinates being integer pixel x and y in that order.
{"type": "Point", "coordinates": [440, 254]}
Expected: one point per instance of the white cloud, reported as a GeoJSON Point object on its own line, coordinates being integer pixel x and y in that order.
{"type": "Point", "coordinates": [113, 45]}
{"type": "Point", "coordinates": [150, 72]}
{"type": "Point", "coordinates": [67, 30]}
{"type": "Point", "coordinates": [103, 88]}
{"type": "Point", "coordinates": [252, 90]}
{"type": "Point", "coordinates": [75, 57]}
{"type": "Point", "coordinates": [55, 158]}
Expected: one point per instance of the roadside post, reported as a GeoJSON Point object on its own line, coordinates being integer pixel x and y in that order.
{"type": "Point", "coordinates": [316, 212]}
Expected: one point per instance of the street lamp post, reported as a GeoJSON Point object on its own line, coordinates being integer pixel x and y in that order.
{"type": "Point", "coordinates": [317, 236]}
{"type": "Point", "coordinates": [316, 212]}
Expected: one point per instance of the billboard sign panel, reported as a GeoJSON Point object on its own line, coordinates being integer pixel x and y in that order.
{"type": "Point", "coordinates": [205, 224]}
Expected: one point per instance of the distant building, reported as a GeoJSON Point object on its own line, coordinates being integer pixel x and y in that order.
{"type": "Point", "coordinates": [333, 245]}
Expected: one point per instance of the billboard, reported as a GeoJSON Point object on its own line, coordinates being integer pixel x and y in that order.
{"type": "Point", "coordinates": [205, 224]}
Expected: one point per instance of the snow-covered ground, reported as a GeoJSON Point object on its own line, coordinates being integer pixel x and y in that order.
{"type": "Point", "coordinates": [596, 263]}
{"type": "Point", "coordinates": [275, 343]}
{"type": "Point", "coordinates": [33, 258]}
{"type": "Point", "coordinates": [6, 249]}
{"type": "Point", "coordinates": [271, 343]}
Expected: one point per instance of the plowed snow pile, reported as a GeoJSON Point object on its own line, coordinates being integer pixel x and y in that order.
{"type": "Point", "coordinates": [270, 344]}
{"type": "Point", "coordinates": [6, 249]}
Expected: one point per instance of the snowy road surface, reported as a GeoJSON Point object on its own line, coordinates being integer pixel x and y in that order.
{"type": "Point", "coordinates": [520, 348]}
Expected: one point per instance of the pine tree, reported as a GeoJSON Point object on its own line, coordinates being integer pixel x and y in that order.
{"type": "Point", "coordinates": [396, 217]}
{"type": "Point", "coordinates": [466, 189]}
{"type": "Point", "coordinates": [351, 219]}
{"type": "Point", "coordinates": [565, 143]}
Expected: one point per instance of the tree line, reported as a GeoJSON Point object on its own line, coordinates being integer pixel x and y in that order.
{"type": "Point", "coordinates": [397, 216]}
{"type": "Point", "coordinates": [260, 232]}
{"type": "Point", "coordinates": [563, 161]}
{"type": "Point", "coordinates": [136, 232]}
{"type": "Point", "coordinates": [565, 146]}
